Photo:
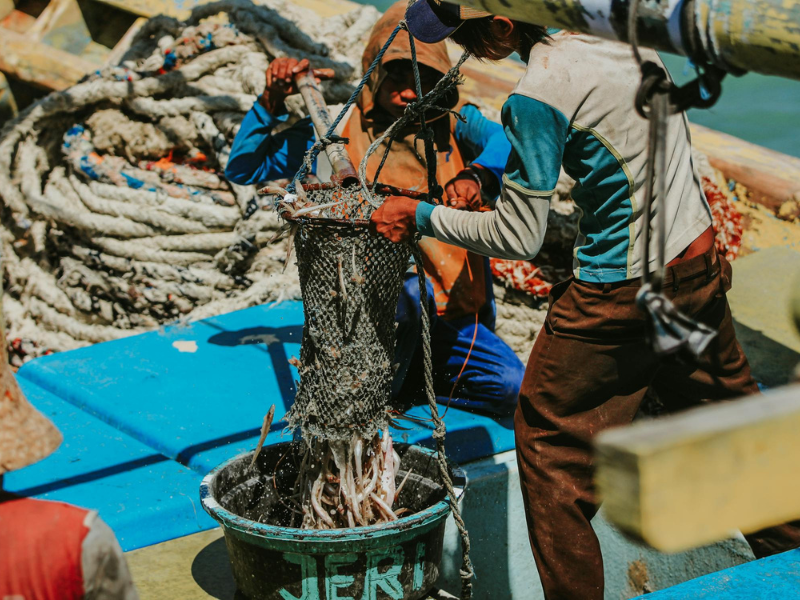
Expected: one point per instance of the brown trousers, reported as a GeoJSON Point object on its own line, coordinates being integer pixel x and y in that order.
{"type": "Point", "coordinates": [590, 369]}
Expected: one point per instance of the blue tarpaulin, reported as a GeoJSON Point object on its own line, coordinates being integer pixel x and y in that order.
{"type": "Point", "coordinates": [145, 417]}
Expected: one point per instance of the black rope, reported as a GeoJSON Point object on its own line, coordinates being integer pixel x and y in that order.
{"type": "Point", "coordinates": [440, 431]}
{"type": "Point", "coordinates": [702, 92]}
{"type": "Point", "coordinates": [426, 134]}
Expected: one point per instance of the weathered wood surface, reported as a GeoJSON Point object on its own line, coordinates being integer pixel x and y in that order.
{"type": "Point", "coordinates": [773, 178]}
{"type": "Point", "coordinates": [8, 106]}
{"type": "Point", "coordinates": [686, 480]}
{"type": "Point", "coordinates": [181, 10]}
{"type": "Point", "coordinates": [40, 64]}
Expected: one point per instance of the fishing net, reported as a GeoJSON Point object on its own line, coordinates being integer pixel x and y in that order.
{"type": "Point", "coordinates": [350, 282]}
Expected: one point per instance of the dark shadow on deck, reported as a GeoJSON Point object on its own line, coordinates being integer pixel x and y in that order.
{"type": "Point", "coordinates": [772, 363]}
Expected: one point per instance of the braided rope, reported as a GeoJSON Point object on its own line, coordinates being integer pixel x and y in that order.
{"type": "Point", "coordinates": [440, 430]}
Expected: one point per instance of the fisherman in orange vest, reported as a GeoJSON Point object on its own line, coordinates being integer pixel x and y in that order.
{"type": "Point", "coordinates": [473, 368]}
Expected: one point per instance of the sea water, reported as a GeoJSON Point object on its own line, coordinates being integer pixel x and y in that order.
{"type": "Point", "coordinates": [760, 109]}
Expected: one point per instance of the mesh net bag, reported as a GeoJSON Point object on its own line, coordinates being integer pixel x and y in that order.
{"type": "Point", "coordinates": [350, 281]}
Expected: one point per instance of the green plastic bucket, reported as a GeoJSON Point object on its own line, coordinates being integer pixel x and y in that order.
{"type": "Point", "coordinates": [398, 560]}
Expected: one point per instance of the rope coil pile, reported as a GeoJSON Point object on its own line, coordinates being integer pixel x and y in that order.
{"type": "Point", "coordinates": [116, 215]}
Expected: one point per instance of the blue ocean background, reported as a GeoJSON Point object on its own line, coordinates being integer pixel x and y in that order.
{"type": "Point", "coordinates": [760, 109]}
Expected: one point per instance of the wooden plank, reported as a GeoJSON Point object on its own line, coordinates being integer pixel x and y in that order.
{"type": "Point", "coordinates": [42, 23]}
{"type": "Point", "coordinates": [65, 28]}
{"type": "Point", "coordinates": [772, 177]}
{"type": "Point", "coordinates": [116, 55]}
{"type": "Point", "coordinates": [40, 64]}
{"type": "Point", "coordinates": [687, 480]}
{"type": "Point", "coordinates": [6, 7]}
{"type": "Point", "coordinates": [181, 10]}
{"type": "Point", "coordinates": [760, 301]}
{"type": "Point", "coordinates": [8, 105]}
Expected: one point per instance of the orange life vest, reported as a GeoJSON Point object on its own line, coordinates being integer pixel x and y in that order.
{"type": "Point", "coordinates": [458, 276]}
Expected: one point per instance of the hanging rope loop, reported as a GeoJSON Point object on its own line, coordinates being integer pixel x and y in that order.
{"type": "Point", "coordinates": [702, 92]}
{"type": "Point", "coordinates": [670, 332]}
{"type": "Point", "coordinates": [440, 431]}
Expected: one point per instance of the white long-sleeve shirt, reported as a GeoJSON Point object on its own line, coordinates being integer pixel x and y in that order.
{"type": "Point", "coordinates": [575, 107]}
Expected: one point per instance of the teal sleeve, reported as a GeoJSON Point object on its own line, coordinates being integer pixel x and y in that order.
{"type": "Point", "coordinates": [423, 218]}
{"type": "Point", "coordinates": [537, 133]}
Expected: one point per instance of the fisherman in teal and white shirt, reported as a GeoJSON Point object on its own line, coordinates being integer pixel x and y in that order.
{"type": "Point", "coordinates": [591, 365]}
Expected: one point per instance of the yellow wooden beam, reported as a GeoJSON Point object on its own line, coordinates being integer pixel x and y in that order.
{"type": "Point", "coordinates": [773, 178]}
{"type": "Point", "coordinates": [8, 105]}
{"type": "Point", "coordinates": [39, 63]}
{"type": "Point", "coordinates": [181, 10]}
{"type": "Point", "coordinates": [686, 480]}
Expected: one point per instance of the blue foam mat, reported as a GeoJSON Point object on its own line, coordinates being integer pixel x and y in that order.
{"type": "Point", "coordinates": [180, 401]}
{"type": "Point", "coordinates": [772, 578]}
{"type": "Point", "coordinates": [137, 412]}
{"type": "Point", "coordinates": [143, 496]}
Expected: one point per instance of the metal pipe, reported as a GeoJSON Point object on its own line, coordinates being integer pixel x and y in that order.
{"type": "Point", "coordinates": [762, 36]}
{"type": "Point", "coordinates": [343, 170]}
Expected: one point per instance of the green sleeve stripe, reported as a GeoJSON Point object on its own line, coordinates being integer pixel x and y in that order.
{"type": "Point", "coordinates": [523, 190]}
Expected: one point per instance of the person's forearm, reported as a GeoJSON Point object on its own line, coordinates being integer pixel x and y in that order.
{"type": "Point", "coordinates": [488, 144]}
{"type": "Point", "coordinates": [257, 155]}
{"type": "Point", "coordinates": [514, 230]}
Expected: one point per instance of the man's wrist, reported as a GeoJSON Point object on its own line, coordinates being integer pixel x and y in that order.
{"type": "Point", "coordinates": [475, 174]}
{"type": "Point", "coordinates": [490, 186]}
{"type": "Point", "coordinates": [273, 103]}
{"type": "Point", "coordinates": [422, 217]}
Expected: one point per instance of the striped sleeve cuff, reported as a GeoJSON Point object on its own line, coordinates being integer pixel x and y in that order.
{"type": "Point", "coordinates": [423, 218]}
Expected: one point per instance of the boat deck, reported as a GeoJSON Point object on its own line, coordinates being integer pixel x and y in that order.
{"type": "Point", "coordinates": [144, 418]}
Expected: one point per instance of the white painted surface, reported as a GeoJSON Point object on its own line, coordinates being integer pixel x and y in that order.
{"type": "Point", "coordinates": [492, 509]}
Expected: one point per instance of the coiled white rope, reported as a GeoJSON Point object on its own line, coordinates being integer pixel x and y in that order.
{"type": "Point", "coordinates": [101, 238]}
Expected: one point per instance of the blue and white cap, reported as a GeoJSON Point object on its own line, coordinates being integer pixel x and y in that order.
{"type": "Point", "coordinates": [431, 21]}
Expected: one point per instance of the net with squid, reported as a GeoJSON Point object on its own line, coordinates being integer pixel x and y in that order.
{"type": "Point", "coordinates": [350, 282]}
